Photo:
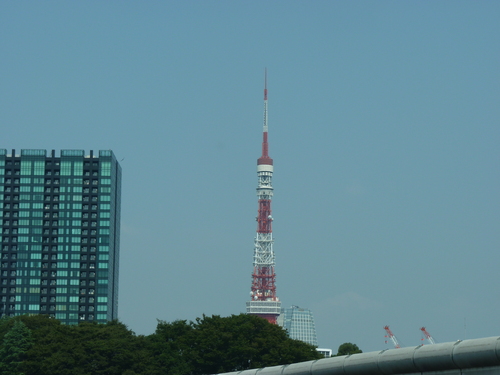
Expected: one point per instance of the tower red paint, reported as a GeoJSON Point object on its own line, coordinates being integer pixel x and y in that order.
{"type": "Point", "coordinates": [264, 301]}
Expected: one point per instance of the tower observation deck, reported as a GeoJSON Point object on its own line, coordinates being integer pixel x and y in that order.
{"type": "Point", "coordinates": [264, 302]}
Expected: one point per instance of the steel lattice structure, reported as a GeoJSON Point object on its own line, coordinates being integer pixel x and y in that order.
{"type": "Point", "coordinates": [264, 301]}
{"type": "Point", "coordinates": [392, 337]}
{"type": "Point", "coordinates": [428, 335]}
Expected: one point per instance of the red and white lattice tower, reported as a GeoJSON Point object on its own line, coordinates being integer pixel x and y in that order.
{"type": "Point", "coordinates": [264, 301]}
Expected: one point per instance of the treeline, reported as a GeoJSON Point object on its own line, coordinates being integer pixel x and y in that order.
{"type": "Point", "coordinates": [43, 346]}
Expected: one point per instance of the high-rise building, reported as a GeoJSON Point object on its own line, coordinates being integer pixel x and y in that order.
{"type": "Point", "coordinates": [299, 323]}
{"type": "Point", "coordinates": [263, 300]}
{"type": "Point", "coordinates": [60, 234]}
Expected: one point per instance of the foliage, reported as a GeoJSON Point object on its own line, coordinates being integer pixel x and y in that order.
{"type": "Point", "coordinates": [215, 344]}
{"type": "Point", "coordinates": [348, 348]}
{"type": "Point", "coordinates": [208, 345]}
{"type": "Point", "coordinates": [169, 349]}
{"type": "Point", "coordinates": [241, 342]}
{"type": "Point", "coordinates": [88, 348]}
{"type": "Point", "coordinates": [16, 343]}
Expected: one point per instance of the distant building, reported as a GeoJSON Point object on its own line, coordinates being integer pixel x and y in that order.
{"type": "Point", "coordinates": [326, 352]}
{"type": "Point", "coordinates": [299, 323]}
{"type": "Point", "coordinates": [60, 234]}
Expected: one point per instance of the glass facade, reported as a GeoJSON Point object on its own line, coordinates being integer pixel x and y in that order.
{"type": "Point", "coordinates": [60, 234]}
{"type": "Point", "coordinates": [299, 324]}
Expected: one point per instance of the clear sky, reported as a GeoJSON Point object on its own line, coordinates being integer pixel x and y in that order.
{"type": "Point", "coordinates": [383, 127]}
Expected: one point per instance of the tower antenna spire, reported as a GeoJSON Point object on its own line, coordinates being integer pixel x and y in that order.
{"type": "Point", "coordinates": [264, 302]}
{"type": "Point", "coordinates": [265, 84]}
{"type": "Point", "coordinates": [265, 159]}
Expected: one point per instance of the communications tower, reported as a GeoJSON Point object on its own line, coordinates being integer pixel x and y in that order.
{"type": "Point", "coordinates": [264, 302]}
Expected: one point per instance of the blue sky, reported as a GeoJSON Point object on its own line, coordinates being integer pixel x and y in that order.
{"type": "Point", "coordinates": [383, 126]}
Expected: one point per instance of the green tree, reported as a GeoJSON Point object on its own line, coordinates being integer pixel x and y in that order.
{"type": "Point", "coordinates": [169, 349]}
{"type": "Point", "coordinates": [5, 325]}
{"type": "Point", "coordinates": [241, 342]}
{"type": "Point", "coordinates": [208, 345]}
{"type": "Point", "coordinates": [348, 348]}
{"type": "Point", "coordinates": [214, 344]}
{"type": "Point", "coordinates": [88, 348]}
{"type": "Point", "coordinates": [16, 343]}
{"type": "Point", "coordinates": [104, 348]}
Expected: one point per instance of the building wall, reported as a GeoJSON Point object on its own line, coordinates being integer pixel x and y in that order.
{"type": "Point", "coordinates": [60, 230]}
{"type": "Point", "coordinates": [299, 323]}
